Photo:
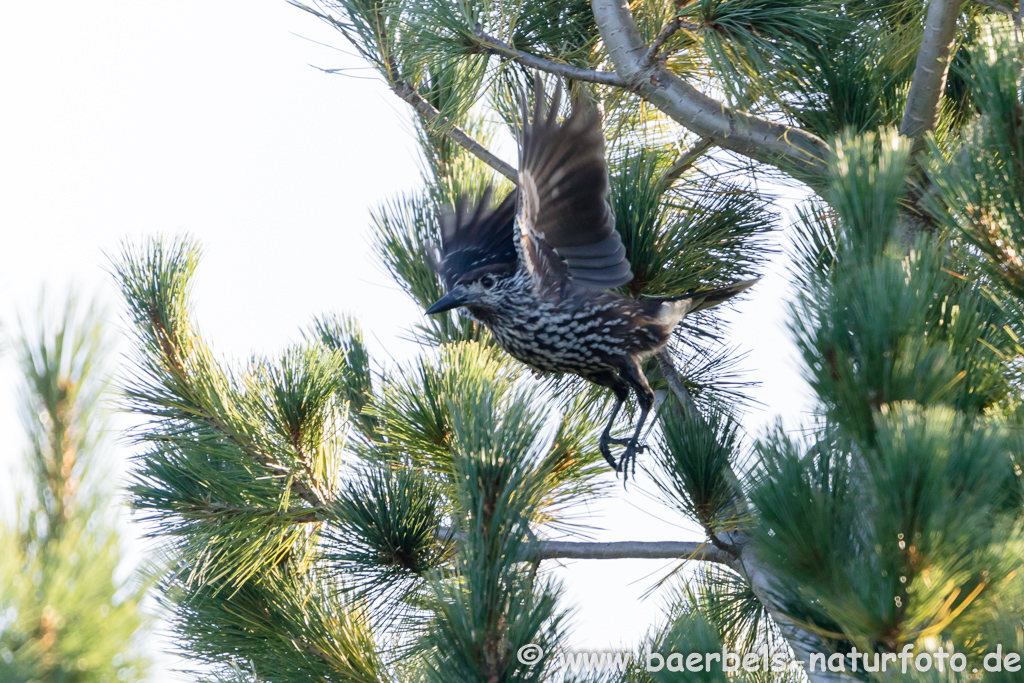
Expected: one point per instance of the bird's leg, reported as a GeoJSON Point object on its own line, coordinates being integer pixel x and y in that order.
{"type": "Point", "coordinates": [606, 435]}
{"type": "Point", "coordinates": [640, 448]}
{"type": "Point", "coordinates": [645, 396]}
{"type": "Point", "coordinates": [632, 447]}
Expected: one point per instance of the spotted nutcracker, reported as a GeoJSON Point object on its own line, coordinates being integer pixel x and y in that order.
{"type": "Point", "coordinates": [536, 270]}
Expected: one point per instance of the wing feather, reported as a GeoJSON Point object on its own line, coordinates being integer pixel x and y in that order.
{"type": "Point", "coordinates": [476, 240]}
{"type": "Point", "coordinates": [566, 228]}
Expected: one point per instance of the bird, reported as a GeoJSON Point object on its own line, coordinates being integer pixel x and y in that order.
{"type": "Point", "coordinates": [538, 270]}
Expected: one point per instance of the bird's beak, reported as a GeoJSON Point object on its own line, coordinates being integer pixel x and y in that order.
{"type": "Point", "coordinates": [449, 301]}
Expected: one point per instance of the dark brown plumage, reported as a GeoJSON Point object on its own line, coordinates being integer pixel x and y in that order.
{"type": "Point", "coordinates": [536, 269]}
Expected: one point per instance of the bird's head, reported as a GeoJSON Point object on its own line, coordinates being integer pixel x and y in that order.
{"type": "Point", "coordinates": [487, 290]}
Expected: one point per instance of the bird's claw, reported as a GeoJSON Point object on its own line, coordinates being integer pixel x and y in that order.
{"type": "Point", "coordinates": [627, 462]}
{"type": "Point", "coordinates": [607, 453]}
{"type": "Point", "coordinates": [640, 448]}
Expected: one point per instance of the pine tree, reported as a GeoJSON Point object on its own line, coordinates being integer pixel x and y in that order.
{"type": "Point", "coordinates": [68, 613]}
{"type": "Point", "coordinates": [335, 519]}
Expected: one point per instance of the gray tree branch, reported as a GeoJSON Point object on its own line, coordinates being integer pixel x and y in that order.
{"type": "Point", "coordinates": [461, 137]}
{"type": "Point", "coordinates": [667, 32]}
{"type": "Point", "coordinates": [922, 110]}
{"type": "Point", "coordinates": [536, 550]}
{"type": "Point", "coordinates": [655, 550]}
{"type": "Point", "coordinates": [929, 79]}
{"type": "Point", "coordinates": [493, 46]}
{"type": "Point", "coordinates": [749, 135]}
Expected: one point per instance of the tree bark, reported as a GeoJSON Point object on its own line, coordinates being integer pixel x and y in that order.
{"type": "Point", "coordinates": [929, 79]}
{"type": "Point", "coordinates": [752, 136]}
{"type": "Point", "coordinates": [922, 110]}
{"type": "Point", "coordinates": [536, 550]}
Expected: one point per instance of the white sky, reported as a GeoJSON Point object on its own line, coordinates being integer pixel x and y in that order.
{"type": "Point", "coordinates": [126, 118]}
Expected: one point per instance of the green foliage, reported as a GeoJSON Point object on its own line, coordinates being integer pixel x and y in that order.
{"type": "Point", "coordinates": [898, 520]}
{"type": "Point", "coordinates": [697, 234]}
{"type": "Point", "coordinates": [332, 519]}
{"type": "Point", "coordinates": [385, 529]}
{"type": "Point", "coordinates": [250, 476]}
{"type": "Point", "coordinates": [354, 378]}
{"type": "Point", "coordinates": [439, 31]}
{"type": "Point", "coordinates": [860, 79]}
{"type": "Point", "coordinates": [65, 616]}
{"type": "Point", "coordinates": [562, 29]}
{"type": "Point", "coordinates": [406, 232]}
{"type": "Point", "coordinates": [62, 364]}
{"type": "Point", "coordinates": [715, 613]}
{"type": "Point", "coordinates": [939, 540]}
{"type": "Point", "coordinates": [696, 457]}
{"type": "Point", "coordinates": [745, 39]}
{"type": "Point", "coordinates": [453, 89]}
{"type": "Point", "coordinates": [370, 26]}
{"type": "Point", "coordinates": [494, 605]}
{"type": "Point", "coordinates": [291, 625]}
{"type": "Point", "coordinates": [877, 327]}
{"type": "Point", "coordinates": [69, 611]}
{"type": "Point", "coordinates": [989, 214]}
{"type": "Point", "coordinates": [220, 447]}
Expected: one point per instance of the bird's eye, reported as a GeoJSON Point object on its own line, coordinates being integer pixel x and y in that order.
{"type": "Point", "coordinates": [487, 281]}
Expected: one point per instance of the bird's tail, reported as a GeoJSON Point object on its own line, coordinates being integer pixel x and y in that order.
{"type": "Point", "coordinates": [681, 306]}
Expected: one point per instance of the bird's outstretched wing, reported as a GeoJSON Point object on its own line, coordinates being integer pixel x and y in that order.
{"type": "Point", "coordinates": [566, 228]}
{"type": "Point", "coordinates": [476, 240]}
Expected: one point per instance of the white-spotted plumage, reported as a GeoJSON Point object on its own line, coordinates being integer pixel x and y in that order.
{"type": "Point", "coordinates": [537, 269]}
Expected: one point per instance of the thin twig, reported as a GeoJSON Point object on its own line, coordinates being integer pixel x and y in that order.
{"type": "Point", "coordinates": [675, 383]}
{"type": "Point", "coordinates": [753, 136]}
{"type": "Point", "coordinates": [991, 4]}
{"type": "Point", "coordinates": [430, 114]}
{"type": "Point", "coordinates": [494, 46]}
{"type": "Point", "coordinates": [667, 32]}
{"type": "Point", "coordinates": [216, 510]}
{"type": "Point", "coordinates": [680, 165]}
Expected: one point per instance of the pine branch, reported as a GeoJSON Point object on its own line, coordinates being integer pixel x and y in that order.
{"type": "Point", "coordinates": [176, 366]}
{"type": "Point", "coordinates": [536, 550]}
{"type": "Point", "coordinates": [742, 556]}
{"type": "Point", "coordinates": [992, 4]}
{"type": "Point", "coordinates": [803, 642]}
{"type": "Point", "coordinates": [660, 550]}
{"type": "Point", "coordinates": [430, 114]}
{"type": "Point", "coordinates": [929, 79]}
{"type": "Point", "coordinates": [675, 383]}
{"type": "Point", "coordinates": [667, 32]}
{"type": "Point", "coordinates": [493, 46]}
{"type": "Point", "coordinates": [733, 541]}
{"type": "Point", "coordinates": [922, 109]}
{"type": "Point", "coordinates": [216, 510]}
{"type": "Point", "coordinates": [749, 135]}
{"type": "Point", "coordinates": [683, 163]}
